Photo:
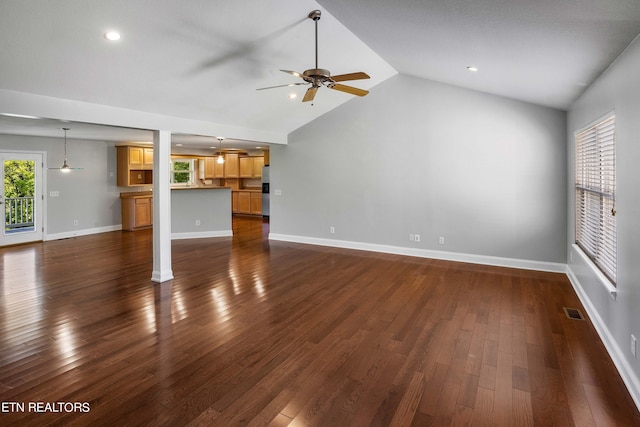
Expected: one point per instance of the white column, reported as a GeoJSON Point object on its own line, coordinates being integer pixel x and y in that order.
{"type": "Point", "coordinates": [161, 207]}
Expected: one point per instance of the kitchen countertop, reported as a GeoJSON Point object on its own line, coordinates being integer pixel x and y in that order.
{"type": "Point", "coordinates": [135, 194]}
{"type": "Point", "coordinates": [201, 187]}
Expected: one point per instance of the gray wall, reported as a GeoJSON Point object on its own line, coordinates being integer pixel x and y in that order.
{"type": "Point", "coordinates": [89, 195]}
{"type": "Point", "coordinates": [211, 207]}
{"type": "Point", "coordinates": [619, 89]}
{"type": "Point", "coordinates": [417, 157]}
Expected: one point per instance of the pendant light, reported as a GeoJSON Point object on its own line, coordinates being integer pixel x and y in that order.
{"type": "Point", "coordinates": [220, 156]}
{"type": "Point", "coordinates": [65, 168]}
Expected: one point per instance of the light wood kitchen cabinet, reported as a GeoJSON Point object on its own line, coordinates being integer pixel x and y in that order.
{"type": "Point", "coordinates": [147, 158]}
{"type": "Point", "coordinates": [137, 212]}
{"type": "Point", "coordinates": [258, 163]}
{"type": "Point", "coordinates": [231, 165]}
{"type": "Point", "coordinates": [218, 168]}
{"type": "Point", "coordinates": [246, 167]}
{"type": "Point", "coordinates": [134, 166]}
{"type": "Point", "coordinates": [251, 167]}
{"type": "Point", "coordinates": [210, 168]}
{"type": "Point", "coordinates": [256, 203]}
{"type": "Point", "coordinates": [244, 202]}
{"type": "Point", "coordinates": [234, 201]}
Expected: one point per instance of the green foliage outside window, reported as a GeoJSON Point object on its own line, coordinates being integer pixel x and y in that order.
{"type": "Point", "coordinates": [181, 177]}
{"type": "Point", "coordinates": [19, 182]}
{"type": "Point", "coordinates": [19, 178]}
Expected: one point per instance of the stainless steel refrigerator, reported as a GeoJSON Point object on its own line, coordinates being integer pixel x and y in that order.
{"type": "Point", "coordinates": [265, 192]}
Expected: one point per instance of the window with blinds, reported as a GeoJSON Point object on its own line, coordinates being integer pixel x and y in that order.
{"type": "Point", "coordinates": [596, 195]}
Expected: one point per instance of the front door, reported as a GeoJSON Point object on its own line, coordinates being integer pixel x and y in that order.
{"type": "Point", "coordinates": [21, 197]}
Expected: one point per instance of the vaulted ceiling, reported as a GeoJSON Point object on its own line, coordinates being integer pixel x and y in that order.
{"type": "Point", "coordinates": [204, 59]}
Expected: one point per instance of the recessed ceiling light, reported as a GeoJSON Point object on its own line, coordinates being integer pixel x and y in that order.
{"type": "Point", "coordinates": [292, 96]}
{"type": "Point", "coordinates": [112, 35]}
{"type": "Point", "coordinates": [178, 145]}
{"type": "Point", "coordinates": [472, 68]}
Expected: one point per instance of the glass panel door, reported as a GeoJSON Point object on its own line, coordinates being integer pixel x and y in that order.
{"type": "Point", "coordinates": [21, 197]}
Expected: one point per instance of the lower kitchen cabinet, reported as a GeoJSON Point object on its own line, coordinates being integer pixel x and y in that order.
{"type": "Point", "coordinates": [256, 203]}
{"type": "Point", "coordinates": [137, 212]}
{"type": "Point", "coordinates": [246, 202]}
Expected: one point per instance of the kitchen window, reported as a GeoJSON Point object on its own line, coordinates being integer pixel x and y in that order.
{"type": "Point", "coordinates": [182, 171]}
{"type": "Point", "coordinates": [595, 187]}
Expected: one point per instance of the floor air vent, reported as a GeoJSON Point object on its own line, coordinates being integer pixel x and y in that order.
{"type": "Point", "coordinates": [573, 313]}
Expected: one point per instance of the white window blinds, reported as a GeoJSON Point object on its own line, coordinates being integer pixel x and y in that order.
{"type": "Point", "coordinates": [596, 195]}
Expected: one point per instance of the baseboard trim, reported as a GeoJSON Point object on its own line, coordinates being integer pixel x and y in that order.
{"type": "Point", "coordinates": [625, 370]}
{"type": "Point", "coordinates": [425, 253]}
{"type": "Point", "coordinates": [201, 235]}
{"type": "Point", "coordinates": [84, 232]}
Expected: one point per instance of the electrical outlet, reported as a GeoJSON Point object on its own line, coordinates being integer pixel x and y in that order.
{"type": "Point", "coordinates": [416, 238]}
{"type": "Point", "coordinates": [197, 223]}
{"type": "Point", "coordinates": [332, 229]}
{"type": "Point", "coordinates": [634, 345]}
{"type": "Point", "coordinates": [441, 240]}
{"type": "Point", "coordinates": [75, 222]}
{"type": "Point", "coordinates": [54, 193]}
{"type": "Point", "coordinates": [277, 192]}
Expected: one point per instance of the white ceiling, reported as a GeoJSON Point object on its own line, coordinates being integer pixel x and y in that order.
{"type": "Point", "coordinates": [204, 59]}
{"type": "Point", "coordinates": [541, 51]}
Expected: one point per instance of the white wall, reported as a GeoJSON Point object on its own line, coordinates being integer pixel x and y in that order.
{"type": "Point", "coordinates": [616, 319]}
{"type": "Point", "coordinates": [418, 157]}
{"type": "Point", "coordinates": [89, 195]}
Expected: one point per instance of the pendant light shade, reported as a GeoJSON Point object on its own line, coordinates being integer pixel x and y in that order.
{"type": "Point", "coordinates": [65, 168]}
{"type": "Point", "coordinates": [220, 156]}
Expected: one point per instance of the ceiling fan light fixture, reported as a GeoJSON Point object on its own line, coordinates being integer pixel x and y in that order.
{"type": "Point", "coordinates": [65, 167]}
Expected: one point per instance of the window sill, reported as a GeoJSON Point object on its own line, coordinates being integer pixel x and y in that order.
{"type": "Point", "coordinates": [604, 281]}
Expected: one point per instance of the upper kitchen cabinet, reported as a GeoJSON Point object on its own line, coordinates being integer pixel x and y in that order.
{"type": "Point", "coordinates": [251, 167]}
{"type": "Point", "coordinates": [210, 168]}
{"type": "Point", "coordinates": [134, 166]}
{"type": "Point", "coordinates": [231, 165]}
{"type": "Point", "coordinates": [139, 157]}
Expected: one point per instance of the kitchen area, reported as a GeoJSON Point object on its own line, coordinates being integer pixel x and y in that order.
{"type": "Point", "coordinates": [206, 189]}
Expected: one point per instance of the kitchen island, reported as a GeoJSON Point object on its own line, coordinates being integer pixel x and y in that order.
{"type": "Point", "coordinates": [203, 211]}
{"type": "Point", "coordinates": [200, 212]}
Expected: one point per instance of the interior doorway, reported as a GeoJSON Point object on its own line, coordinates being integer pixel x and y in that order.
{"type": "Point", "coordinates": [21, 197]}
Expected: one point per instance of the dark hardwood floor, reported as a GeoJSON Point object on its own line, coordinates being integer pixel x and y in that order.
{"type": "Point", "coordinates": [252, 332]}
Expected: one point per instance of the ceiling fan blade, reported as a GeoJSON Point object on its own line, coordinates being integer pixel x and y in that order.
{"type": "Point", "coordinates": [295, 73]}
{"type": "Point", "coordinates": [348, 89]}
{"type": "Point", "coordinates": [351, 76]}
{"type": "Point", "coordinates": [310, 94]}
{"type": "Point", "coordinates": [290, 84]}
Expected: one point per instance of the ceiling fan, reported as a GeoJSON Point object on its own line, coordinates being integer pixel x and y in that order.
{"type": "Point", "coordinates": [317, 77]}
{"type": "Point", "coordinates": [65, 166]}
